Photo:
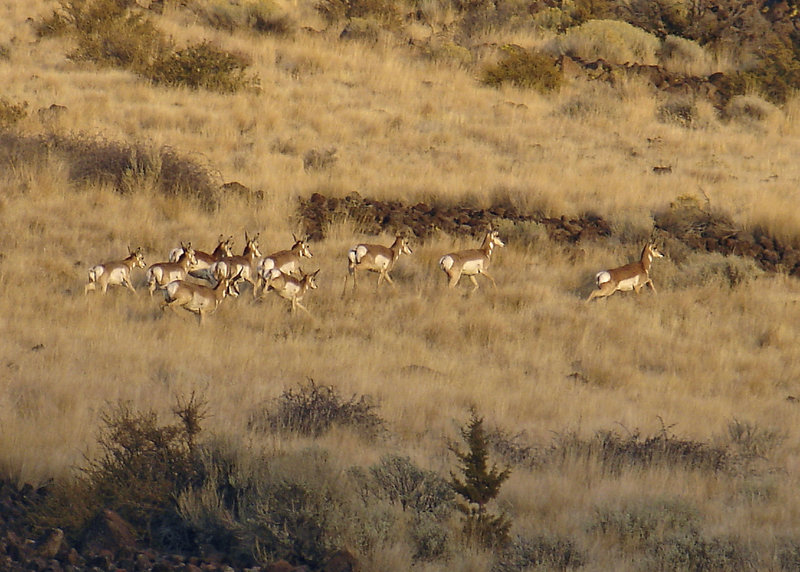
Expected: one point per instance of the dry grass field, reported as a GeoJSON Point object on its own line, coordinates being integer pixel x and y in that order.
{"type": "Point", "coordinates": [709, 361]}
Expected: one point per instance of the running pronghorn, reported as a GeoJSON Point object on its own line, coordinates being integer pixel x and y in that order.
{"type": "Point", "coordinates": [195, 298]}
{"type": "Point", "coordinates": [205, 260]}
{"type": "Point", "coordinates": [471, 262]}
{"type": "Point", "coordinates": [117, 273]}
{"type": "Point", "coordinates": [290, 288]}
{"type": "Point", "coordinates": [287, 261]}
{"type": "Point", "coordinates": [375, 258]}
{"type": "Point", "coordinates": [161, 274]}
{"type": "Point", "coordinates": [242, 267]}
{"type": "Point", "coordinates": [632, 276]}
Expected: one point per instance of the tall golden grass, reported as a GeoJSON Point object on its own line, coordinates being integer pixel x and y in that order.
{"type": "Point", "coordinates": [531, 356]}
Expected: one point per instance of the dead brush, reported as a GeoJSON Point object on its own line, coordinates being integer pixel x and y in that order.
{"type": "Point", "coordinates": [312, 410]}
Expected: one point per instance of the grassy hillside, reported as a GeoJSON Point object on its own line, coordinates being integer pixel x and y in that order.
{"type": "Point", "coordinates": [606, 413]}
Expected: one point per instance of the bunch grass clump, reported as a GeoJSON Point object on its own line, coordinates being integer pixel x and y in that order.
{"type": "Point", "coordinates": [125, 167]}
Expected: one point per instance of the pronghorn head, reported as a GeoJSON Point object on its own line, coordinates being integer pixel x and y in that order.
{"type": "Point", "coordinates": [492, 239]}
{"type": "Point", "coordinates": [189, 253]}
{"type": "Point", "coordinates": [402, 242]}
{"type": "Point", "coordinates": [652, 252]}
{"type": "Point", "coordinates": [301, 246]}
{"type": "Point", "coordinates": [252, 245]}
{"type": "Point", "coordinates": [137, 256]}
{"type": "Point", "coordinates": [227, 246]}
{"type": "Point", "coordinates": [311, 280]}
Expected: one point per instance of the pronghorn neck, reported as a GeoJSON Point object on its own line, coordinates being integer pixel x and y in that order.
{"type": "Point", "coordinates": [488, 246]}
{"type": "Point", "coordinates": [131, 261]}
{"type": "Point", "coordinates": [647, 258]}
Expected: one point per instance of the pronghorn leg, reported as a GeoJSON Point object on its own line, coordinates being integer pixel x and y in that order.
{"type": "Point", "coordinates": [484, 273]}
{"type": "Point", "coordinates": [652, 286]}
{"type": "Point", "coordinates": [388, 278]}
{"type": "Point", "coordinates": [129, 284]}
{"type": "Point", "coordinates": [607, 289]}
{"type": "Point", "coordinates": [474, 282]}
{"type": "Point", "coordinates": [90, 287]}
{"type": "Point", "coordinates": [299, 305]}
{"type": "Point", "coordinates": [454, 278]}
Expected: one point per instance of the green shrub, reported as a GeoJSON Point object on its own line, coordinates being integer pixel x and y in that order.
{"type": "Point", "coordinates": [611, 40]}
{"type": "Point", "coordinates": [385, 12]}
{"type": "Point", "coordinates": [547, 552]}
{"type": "Point", "coordinates": [116, 33]}
{"type": "Point", "coordinates": [478, 485]}
{"type": "Point", "coordinates": [312, 409]}
{"type": "Point", "coordinates": [202, 66]}
{"type": "Point", "coordinates": [693, 552]}
{"type": "Point", "coordinates": [748, 109]}
{"type": "Point", "coordinates": [142, 469]}
{"type": "Point", "coordinates": [788, 554]}
{"type": "Point", "coordinates": [679, 111]}
{"type": "Point", "coordinates": [525, 69]}
{"type": "Point", "coordinates": [635, 524]}
{"type": "Point", "coordinates": [261, 16]}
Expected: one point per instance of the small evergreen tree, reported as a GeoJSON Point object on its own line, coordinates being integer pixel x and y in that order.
{"type": "Point", "coordinates": [479, 485]}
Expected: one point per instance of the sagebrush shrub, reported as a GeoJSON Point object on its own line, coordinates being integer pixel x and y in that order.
{"type": "Point", "coordinates": [611, 40]}
{"type": "Point", "coordinates": [546, 552]}
{"type": "Point", "coordinates": [11, 112]}
{"type": "Point", "coordinates": [202, 66]}
{"type": "Point", "coordinates": [525, 69]}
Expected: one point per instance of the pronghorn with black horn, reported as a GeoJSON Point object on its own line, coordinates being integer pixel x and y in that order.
{"type": "Point", "coordinates": [195, 298]}
{"type": "Point", "coordinates": [471, 262]}
{"type": "Point", "coordinates": [287, 261]}
{"type": "Point", "coordinates": [290, 288]}
{"type": "Point", "coordinates": [161, 274]}
{"type": "Point", "coordinates": [242, 267]}
{"type": "Point", "coordinates": [633, 276]}
{"type": "Point", "coordinates": [205, 260]}
{"type": "Point", "coordinates": [375, 258]}
{"type": "Point", "coordinates": [117, 273]}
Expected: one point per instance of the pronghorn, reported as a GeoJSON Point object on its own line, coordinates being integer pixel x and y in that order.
{"type": "Point", "coordinates": [239, 267]}
{"type": "Point", "coordinates": [195, 298]}
{"type": "Point", "coordinates": [291, 288]}
{"type": "Point", "coordinates": [471, 262]}
{"type": "Point", "coordinates": [375, 258]}
{"type": "Point", "coordinates": [287, 261]}
{"type": "Point", "coordinates": [161, 274]}
{"type": "Point", "coordinates": [115, 273]}
{"type": "Point", "coordinates": [205, 260]}
{"type": "Point", "coordinates": [632, 276]}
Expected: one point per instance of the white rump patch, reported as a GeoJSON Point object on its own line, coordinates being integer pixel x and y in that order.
{"type": "Point", "coordinates": [446, 262]}
{"type": "Point", "coordinates": [603, 277]}
{"type": "Point", "coordinates": [360, 253]}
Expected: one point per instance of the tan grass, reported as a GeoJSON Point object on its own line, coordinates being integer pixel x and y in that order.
{"type": "Point", "coordinates": [531, 355]}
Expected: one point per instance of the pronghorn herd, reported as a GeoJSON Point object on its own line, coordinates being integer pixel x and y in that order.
{"type": "Point", "coordinates": [280, 272]}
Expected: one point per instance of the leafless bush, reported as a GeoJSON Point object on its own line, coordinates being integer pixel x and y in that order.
{"type": "Point", "coordinates": [311, 409]}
